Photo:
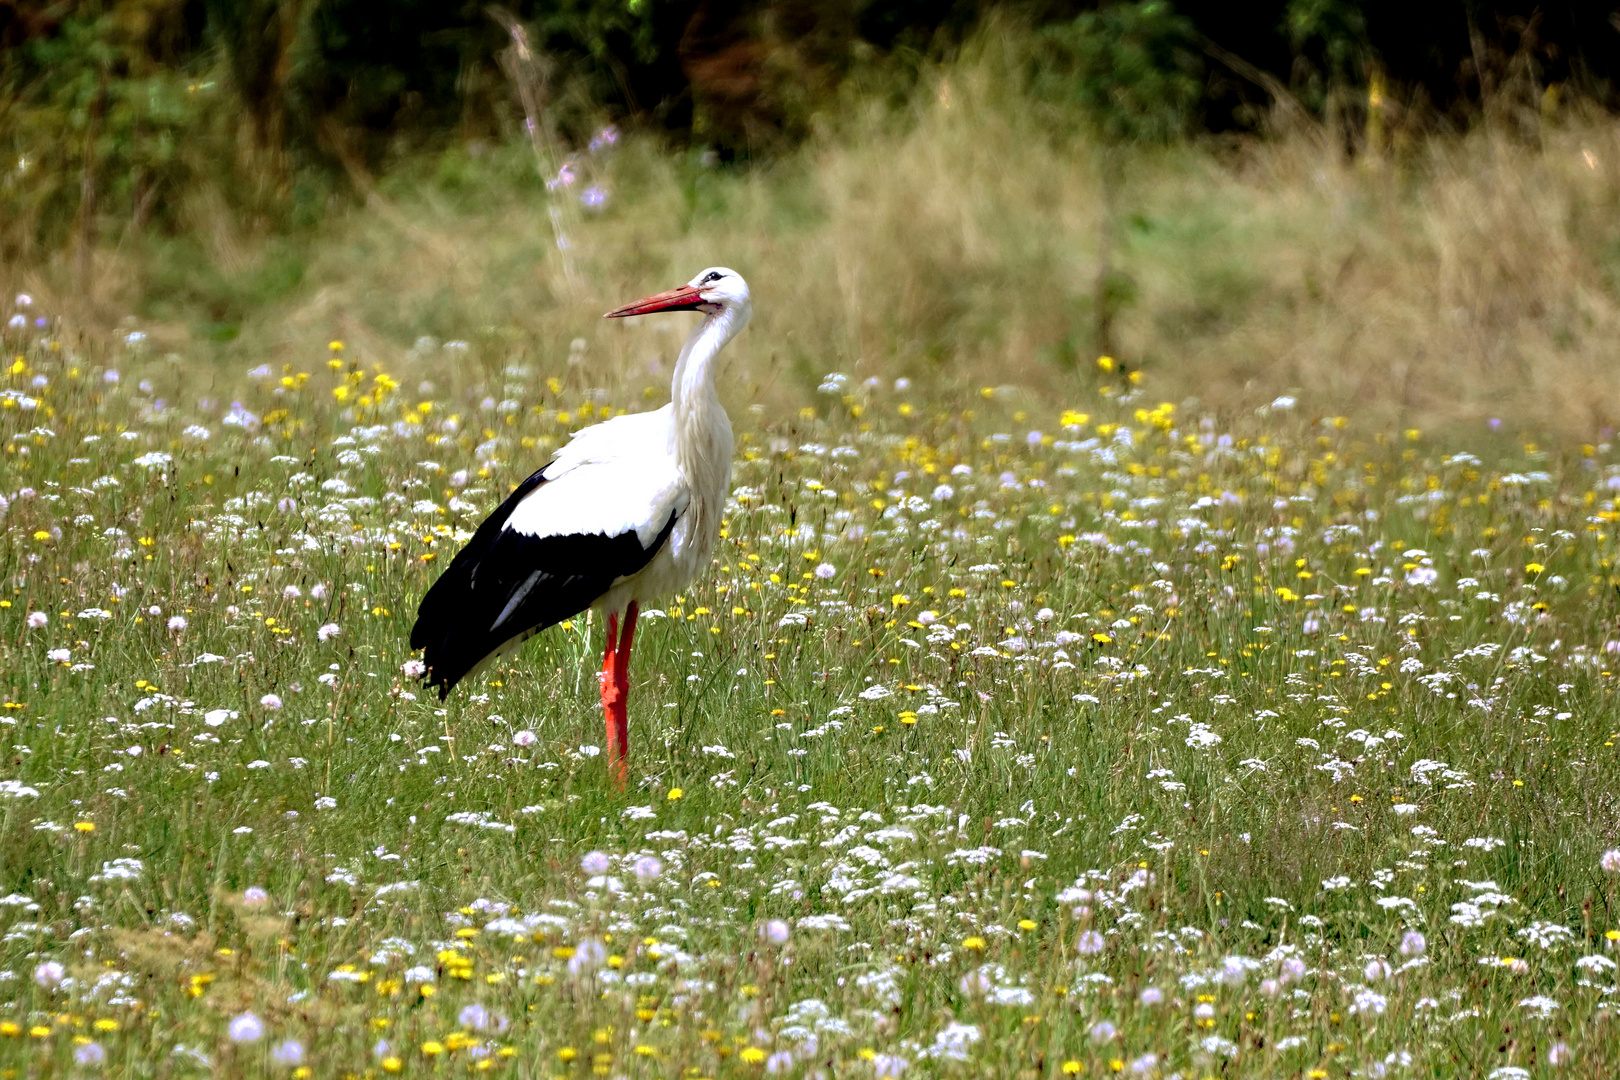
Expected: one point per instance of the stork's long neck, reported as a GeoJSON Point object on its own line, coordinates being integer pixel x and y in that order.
{"type": "Point", "coordinates": [703, 441]}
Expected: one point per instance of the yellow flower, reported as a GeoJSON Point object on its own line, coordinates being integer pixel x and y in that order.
{"type": "Point", "coordinates": [1071, 1068]}
{"type": "Point", "coordinates": [433, 1046]}
{"type": "Point", "coordinates": [1105, 363]}
{"type": "Point", "coordinates": [567, 1053]}
{"type": "Point", "coordinates": [975, 944]}
{"type": "Point", "coordinates": [674, 793]}
{"type": "Point", "coordinates": [335, 346]}
{"type": "Point", "coordinates": [1026, 924]}
{"type": "Point", "coordinates": [1533, 568]}
{"type": "Point", "coordinates": [106, 1024]}
{"type": "Point", "coordinates": [392, 1064]}
{"type": "Point", "coordinates": [908, 718]}
{"type": "Point", "coordinates": [1072, 418]}
{"type": "Point", "coordinates": [84, 826]}
{"type": "Point", "coordinates": [41, 535]}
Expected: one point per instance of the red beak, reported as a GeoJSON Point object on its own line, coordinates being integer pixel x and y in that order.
{"type": "Point", "coordinates": [685, 298]}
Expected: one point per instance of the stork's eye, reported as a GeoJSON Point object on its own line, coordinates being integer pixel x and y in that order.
{"type": "Point", "coordinates": [712, 275]}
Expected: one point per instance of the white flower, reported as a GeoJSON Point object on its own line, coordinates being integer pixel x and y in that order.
{"type": "Point", "coordinates": [1610, 861]}
{"type": "Point", "coordinates": [647, 868]}
{"type": "Point", "coordinates": [826, 571]}
{"type": "Point", "coordinates": [776, 932]}
{"type": "Point", "coordinates": [89, 1053]}
{"type": "Point", "coordinates": [216, 717]}
{"type": "Point", "coordinates": [1152, 996]}
{"type": "Point", "coordinates": [1090, 942]}
{"type": "Point", "coordinates": [524, 738]}
{"type": "Point", "coordinates": [37, 619]}
{"type": "Point", "coordinates": [413, 669]}
{"type": "Point", "coordinates": [326, 802]}
{"type": "Point", "coordinates": [594, 863]}
{"type": "Point", "coordinates": [1558, 1054]}
{"type": "Point", "coordinates": [1414, 944]}
{"type": "Point", "coordinates": [317, 591]}
{"type": "Point", "coordinates": [287, 1054]}
{"type": "Point", "coordinates": [253, 896]}
{"type": "Point", "coordinates": [270, 701]}
{"type": "Point", "coordinates": [177, 623]}
{"type": "Point", "coordinates": [943, 492]}
{"type": "Point", "coordinates": [328, 631]}
{"type": "Point", "coordinates": [49, 974]}
{"type": "Point", "coordinates": [246, 1028]}
{"type": "Point", "coordinates": [61, 656]}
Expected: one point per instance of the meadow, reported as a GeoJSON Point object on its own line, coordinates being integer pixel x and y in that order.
{"type": "Point", "coordinates": [1013, 734]}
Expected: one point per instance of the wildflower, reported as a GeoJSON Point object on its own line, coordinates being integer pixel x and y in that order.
{"type": "Point", "coordinates": [177, 623]}
{"type": "Point", "coordinates": [674, 794]}
{"type": "Point", "coordinates": [288, 1053]}
{"type": "Point", "coordinates": [825, 571]}
{"type": "Point", "coordinates": [49, 974]}
{"type": "Point", "coordinates": [1090, 942]}
{"type": "Point", "coordinates": [89, 1053]}
{"type": "Point", "coordinates": [777, 932]}
{"type": "Point", "coordinates": [594, 863]}
{"type": "Point", "coordinates": [414, 669]}
{"type": "Point", "coordinates": [61, 656]}
{"type": "Point", "coordinates": [326, 802]}
{"type": "Point", "coordinates": [328, 631]}
{"type": "Point", "coordinates": [1102, 1031]}
{"type": "Point", "coordinates": [270, 701]}
{"type": "Point", "coordinates": [648, 868]}
{"type": "Point", "coordinates": [1152, 996]}
{"type": "Point", "coordinates": [37, 619]}
{"type": "Point", "coordinates": [317, 591]}
{"type": "Point", "coordinates": [1611, 861]}
{"type": "Point", "coordinates": [887, 1066]}
{"type": "Point", "coordinates": [246, 1028]}
{"type": "Point", "coordinates": [253, 896]}
{"type": "Point", "coordinates": [1413, 944]}
{"type": "Point", "coordinates": [1558, 1054]}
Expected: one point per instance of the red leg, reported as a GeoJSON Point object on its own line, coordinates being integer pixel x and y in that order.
{"type": "Point", "coordinates": [620, 719]}
{"type": "Point", "coordinates": [613, 700]}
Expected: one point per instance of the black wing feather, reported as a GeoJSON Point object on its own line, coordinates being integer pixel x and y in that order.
{"type": "Point", "coordinates": [455, 623]}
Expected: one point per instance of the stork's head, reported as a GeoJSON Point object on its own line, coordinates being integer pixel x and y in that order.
{"type": "Point", "coordinates": [714, 291]}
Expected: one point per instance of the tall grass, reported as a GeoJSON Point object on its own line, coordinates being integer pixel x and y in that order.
{"type": "Point", "coordinates": [1458, 279]}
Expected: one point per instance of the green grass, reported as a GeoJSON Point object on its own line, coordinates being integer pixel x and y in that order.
{"type": "Point", "coordinates": [1145, 685]}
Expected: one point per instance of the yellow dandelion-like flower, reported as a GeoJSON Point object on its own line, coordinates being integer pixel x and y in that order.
{"type": "Point", "coordinates": [84, 826]}
{"type": "Point", "coordinates": [674, 793]}
{"type": "Point", "coordinates": [392, 1064]}
{"type": "Point", "coordinates": [753, 1055]}
{"type": "Point", "coordinates": [974, 944]}
{"type": "Point", "coordinates": [1071, 1068]}
{"type": "Point", "coordinates": [1105, 363]}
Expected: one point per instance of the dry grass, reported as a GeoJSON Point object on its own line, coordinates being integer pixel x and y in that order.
{"type": "Point", "coordinates": [1471, 278]}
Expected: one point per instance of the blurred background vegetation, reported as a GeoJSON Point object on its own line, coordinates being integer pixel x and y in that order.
{"type": "Point", "coordinates": [1408, 210]}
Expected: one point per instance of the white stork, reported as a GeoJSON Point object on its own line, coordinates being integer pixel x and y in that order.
{"type": "Point", "coordinates": [628, 511]}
